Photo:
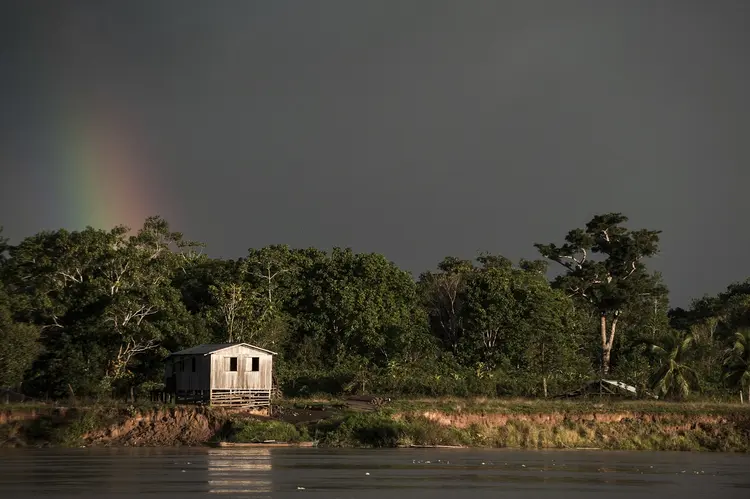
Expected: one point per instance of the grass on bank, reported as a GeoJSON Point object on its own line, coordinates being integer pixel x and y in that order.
{"type": "Point", "coordinates": [482, 405]}
{"type": "Point", "coordinates": [258, 431]}
{"type": "Point", "coordinates": [59, 427]}
{"type": "Point", "coordinates": [382, 430]}
{"type": "Point", "coordinates": [674, 426]}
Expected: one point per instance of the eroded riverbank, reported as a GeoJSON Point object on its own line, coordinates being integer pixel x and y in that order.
{"type": "Point", "coordinates": [479, 424]}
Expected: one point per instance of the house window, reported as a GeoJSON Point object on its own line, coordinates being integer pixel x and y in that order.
{"type": "Point", "coordinates": [256, 364]}
{"type": "Point", "coordinates": [233, 364]}
{"type": "Point", "coordinates": [193, 359]}
{"type": "Point", "coordinates": [182, 366]}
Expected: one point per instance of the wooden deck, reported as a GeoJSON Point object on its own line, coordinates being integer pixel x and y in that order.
{"type": "Point", "coordinates": [249, 398]}
{"type": "Point", "coordinates": [241, 398]}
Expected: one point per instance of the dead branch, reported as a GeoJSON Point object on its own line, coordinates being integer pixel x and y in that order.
{"type": "Point", "coordinates": [139, 314]}
{"type": "Point", "coordinates": [634, 266]}
{"type": "Point", "coordinates": [76, 276]}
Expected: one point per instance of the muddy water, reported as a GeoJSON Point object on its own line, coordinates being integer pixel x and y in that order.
{"type": "Point", "coordinates": [358, 474]}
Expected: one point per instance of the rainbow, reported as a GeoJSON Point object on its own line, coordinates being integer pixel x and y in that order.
{"type": "Point", "coordinates": [103, 178]}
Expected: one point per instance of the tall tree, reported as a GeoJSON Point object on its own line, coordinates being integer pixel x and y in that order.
{"type": "Point", "coordinates": [102, 298]}
{"type": "Point", "coordinates": [492, 313]}
{"type": "Point", "coordinates": [138, 280]}
{"type": "Point", "coordinates": [614, 281]}
{"type": "Point", "coordinates": [355, 307]}
{"type": "Point", "coordinates": [234, 311]}
{"type": "Point", "coordinates": [442, 295]}
{"type": "Point", "coordinates": [273, 273]}
{"type": "Point", "coordinates": [516, 319]}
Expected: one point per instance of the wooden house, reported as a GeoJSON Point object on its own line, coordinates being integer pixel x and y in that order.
{"type": "Point", "coordinates": [221, 374]}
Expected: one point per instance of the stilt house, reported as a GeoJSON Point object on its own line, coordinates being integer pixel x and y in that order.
{"type": "Point", "coordinates": [235, 374]}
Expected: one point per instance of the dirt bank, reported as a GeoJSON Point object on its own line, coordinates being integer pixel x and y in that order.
{"type": "Point", "coordinates": [163, 427]}
{"type": "Point", "coordinates": [336, 426]}
{"type": "Point", "coordinates": [116, 426]}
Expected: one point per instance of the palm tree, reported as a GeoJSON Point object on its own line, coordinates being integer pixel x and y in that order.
{"type": "Point", "coordinates": [737, 361]}
{"type": "Point", "coordinates": [673, 378]}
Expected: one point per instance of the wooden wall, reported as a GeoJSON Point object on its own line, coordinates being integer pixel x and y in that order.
{"type": "Point", "coordinates": [244, 377]}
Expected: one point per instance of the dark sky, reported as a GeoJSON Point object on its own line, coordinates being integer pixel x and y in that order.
{"type": "Point", "coordinates": [417, 129]}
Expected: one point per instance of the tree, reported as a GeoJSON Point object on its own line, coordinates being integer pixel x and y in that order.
{"type": "Point", "coordinates": [442, 295]}
{"type": "Point", "coordinates": [102, 299]}
{"type": "Point", "coordinates": [613, 283]}
{"type": "Point", "coordinates": [673, 377]}
{"type": "Point", "coordinates": [138, 281]}
{"type": "Point", "coordinates": [737, 362]}
{"type": "Point", "coordinates": [492, 314]}
{"type": "Point", "coordinates": [235, 310]}
{"type": "Point", "coordinates": [355, 306]}
{"type": "Point", "coordinates": [20, 345]}
{"type": "Point", "coordinates": [273, 273]}
{"type": "Point", "coordinates": [714, 322]}
{"type": "Point", "coordinates": [515, 319]}
{"type": "Point", "coordinates": [272, 269]}
{"type": "Point", "coordinates": [554, 352]}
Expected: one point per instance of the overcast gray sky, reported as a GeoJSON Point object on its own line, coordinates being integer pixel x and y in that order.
{"type": "Point", "coordinates": [417, 129]}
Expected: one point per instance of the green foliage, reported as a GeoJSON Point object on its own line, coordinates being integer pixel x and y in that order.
{"type": "Point", "coordinates": [20, 345]}
{"type": "Point", "coordinates": [254, 430]}
{"type": "Point", "coordinates": [673, 377]}
{"type": "Point", "coordinates": [359, 430]}
{"type": "Point", "coordinates": [613, 283]}
{"type": "Point", "coordinates": [649, 427]}
{"type": "Point", "coordinates": [92, 314]}
{"type": "Point", "coordinates": [737, 363]}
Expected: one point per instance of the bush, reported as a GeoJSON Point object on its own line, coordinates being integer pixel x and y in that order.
{"type": "Point", "coordinates": [359, 430]}
{"type": "Point", "coordinates": [255, 430]}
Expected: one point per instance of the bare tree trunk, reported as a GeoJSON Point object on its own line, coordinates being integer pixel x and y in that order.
{"type": "Point", "coordinates": [605, 351]}
{"type": "Point", "coordinates": [544, 376]}
{"type": "Point", "coordinates": [608, 339]}
{"type": "Point", "coordinates": [605, 360]}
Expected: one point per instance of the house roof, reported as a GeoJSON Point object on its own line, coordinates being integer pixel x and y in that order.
{"type": "Point", "coordinates": [209, 349]}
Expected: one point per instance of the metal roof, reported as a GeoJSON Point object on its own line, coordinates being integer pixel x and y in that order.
{"type": "Point", "coordinates": [208, 349]}
{"type": "Point", "coordinates": [620, 384]}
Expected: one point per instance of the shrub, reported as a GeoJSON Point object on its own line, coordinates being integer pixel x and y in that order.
{"type": "Point", "coordinates": [254, 430]}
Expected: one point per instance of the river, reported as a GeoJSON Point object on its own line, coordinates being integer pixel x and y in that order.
{"type": "Point", "coordinates": [358, 474]}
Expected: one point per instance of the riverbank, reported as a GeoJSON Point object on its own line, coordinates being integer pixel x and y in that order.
{"type": "Point", "coordinates": [482, 423]}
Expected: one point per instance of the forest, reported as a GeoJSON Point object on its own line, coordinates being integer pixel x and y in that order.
{"type": "Point", "coordinates": [94, 313]}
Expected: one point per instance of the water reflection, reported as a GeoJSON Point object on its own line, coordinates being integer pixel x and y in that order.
{"type": "Point", "coordinates": [233, 471]}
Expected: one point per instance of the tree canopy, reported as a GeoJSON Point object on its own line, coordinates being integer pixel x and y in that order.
{"type": "Point", "coordinates": [95, 312]}
{"type": "Point", "coordinates": [612, 283]}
